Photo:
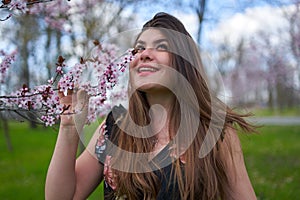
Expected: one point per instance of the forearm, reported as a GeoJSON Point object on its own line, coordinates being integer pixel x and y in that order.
{"type": "Point", "coordinates": [61, 176]}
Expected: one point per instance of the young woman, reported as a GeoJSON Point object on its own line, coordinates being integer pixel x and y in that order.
{"type": "Point", "coordinates": [176, 140]}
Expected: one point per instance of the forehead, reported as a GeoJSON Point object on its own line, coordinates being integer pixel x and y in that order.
{"type": "Point", "coordinates": [150, 35]}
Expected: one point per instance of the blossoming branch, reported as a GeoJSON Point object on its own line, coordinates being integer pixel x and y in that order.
{"type": "Point", "coordinates": [43, 100]}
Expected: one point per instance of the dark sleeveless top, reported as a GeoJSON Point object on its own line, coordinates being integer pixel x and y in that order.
{"type": "Point", "coordinates": [168, 188]}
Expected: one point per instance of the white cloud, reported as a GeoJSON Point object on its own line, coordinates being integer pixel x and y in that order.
{"type": "Point", "coordinates": [189, 20]}
{"type": "Point", "coordinates": [265, 19]}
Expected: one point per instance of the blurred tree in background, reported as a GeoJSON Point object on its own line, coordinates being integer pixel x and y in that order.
{"type": "Point", "coordinates": [260, 69]}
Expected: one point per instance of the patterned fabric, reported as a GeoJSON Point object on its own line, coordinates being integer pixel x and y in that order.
{"type": "Point", "coordinates": [168, 190]}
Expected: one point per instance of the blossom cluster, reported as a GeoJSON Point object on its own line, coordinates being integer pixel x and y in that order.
{"type": "Point", "coordinates": [95, 75]}
{"type": "Point", "coordinates": [41, 100]}
{"type": "Point", "coordinates": [7, 60]}
{"type": "Point", "coordinates": [14, 5]}
{"type": "Point", "coordinates": [20, 5]}
{"type": "Point", "coordinates": [55, 13]}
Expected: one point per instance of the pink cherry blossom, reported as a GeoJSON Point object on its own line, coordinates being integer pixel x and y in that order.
{"type": "Point", "coordinates": [43, 100]}
{"type": "Point", "coordinates": [7, 60]}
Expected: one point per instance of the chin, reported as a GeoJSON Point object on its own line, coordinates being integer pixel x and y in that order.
{"type": "Point", "coordinates": [151, 88]}
{"type": "Point", "coordinates": [148, 87]}
{"type": "Point", "coordinates": [148, 84]}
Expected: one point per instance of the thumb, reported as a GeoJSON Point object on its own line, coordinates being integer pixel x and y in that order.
{"type": "Point", "coordinates": [82, 99]}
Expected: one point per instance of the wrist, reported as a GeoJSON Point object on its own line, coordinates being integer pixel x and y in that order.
{"type": "Point", "coordinates": [68, 127]}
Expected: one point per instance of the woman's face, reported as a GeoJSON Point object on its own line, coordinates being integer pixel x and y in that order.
{"type": "Point", "coordinates": [148, 71]}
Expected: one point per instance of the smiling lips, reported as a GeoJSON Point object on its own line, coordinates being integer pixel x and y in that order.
{"type": "Point", "coordinates": [146, 69]}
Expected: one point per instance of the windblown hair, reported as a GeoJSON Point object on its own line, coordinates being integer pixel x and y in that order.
{"type": "Point", "coordinates": [203, 178]}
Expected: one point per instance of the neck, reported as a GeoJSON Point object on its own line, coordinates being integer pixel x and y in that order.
{"type": "Point", "coordinates": [162, 97]}
{"type": "Point", "coordinates": [160, 102]}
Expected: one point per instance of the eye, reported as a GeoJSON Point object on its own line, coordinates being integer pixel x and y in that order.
{"type": "Point", "coordinates": [138, 49]}
{"type": "Point", "coordinates": [162, 47]}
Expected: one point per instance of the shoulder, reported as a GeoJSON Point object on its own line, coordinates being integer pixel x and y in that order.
{"type": "Point", "coordinates": [232, 156]}
{"type": "Point", "coordinates": [107, 131]}
{"type": "Point", "coordinates": [231, 138]}
{"type": "Point", "coordinates": [113, 118]}
{"type": "Point", "coordinates": [230, 149]}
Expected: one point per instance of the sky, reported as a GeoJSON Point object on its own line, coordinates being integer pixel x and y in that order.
{"type": "Point", "coordinates": [221, 17]}
{"type": "Point", "coordinates": [253, 20]}
{"type": "Point", "coordinates": [226, 11]}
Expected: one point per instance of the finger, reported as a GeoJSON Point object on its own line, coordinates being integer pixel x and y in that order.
{"type": "Point", "coordinates": [83, 99]}
{"type": "Point", "coordinates": [63, 93]}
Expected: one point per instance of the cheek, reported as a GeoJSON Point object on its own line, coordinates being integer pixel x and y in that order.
{"type": "Point", "coordinates": [166, 59]}
{"type": "Point", "coordinates": [133, 63]}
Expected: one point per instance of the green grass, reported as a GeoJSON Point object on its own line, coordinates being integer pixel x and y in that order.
{"type": "Point", "coordinates": [271, 158]}
{"type": "Point", "coordinates": [267, 112]}
{"type": "Point", "coordinates": [23, 171]}
{"type": "Point", "coordinates": [273, 162]}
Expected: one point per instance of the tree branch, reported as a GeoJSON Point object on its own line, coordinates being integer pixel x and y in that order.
{"type": "Point", "coordinates": [5, 5]}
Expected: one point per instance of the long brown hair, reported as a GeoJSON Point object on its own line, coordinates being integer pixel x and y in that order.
{"type": "Point", "coordinates": [202, 178]}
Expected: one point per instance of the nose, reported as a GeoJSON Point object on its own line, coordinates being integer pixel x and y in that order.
{"type": "Point", "coordinates": [146, 55]}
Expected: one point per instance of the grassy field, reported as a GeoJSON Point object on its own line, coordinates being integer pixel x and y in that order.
{"type": "Point", "coordinates": [23, 170]}
{"type": "Point", "coordinates": [271, 157]}
{"type": "Point", "coordinates": [273, 162]}
{"type": "Point", "coordinates": [267, 112]}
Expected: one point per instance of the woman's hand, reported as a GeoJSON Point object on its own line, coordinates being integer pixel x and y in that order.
{"type": "Point", "coordinates": [75, 105]}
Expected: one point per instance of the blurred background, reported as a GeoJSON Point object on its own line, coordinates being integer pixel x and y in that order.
{"type": "Point", "coordinates": [253, 51]}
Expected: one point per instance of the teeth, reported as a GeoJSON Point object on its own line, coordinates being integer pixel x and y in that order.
{"type": "Point", "coordinates": [147, 69]}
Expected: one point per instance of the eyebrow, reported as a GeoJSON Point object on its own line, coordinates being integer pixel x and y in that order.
{"type": "Point", "coordinates": [154, 42]}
